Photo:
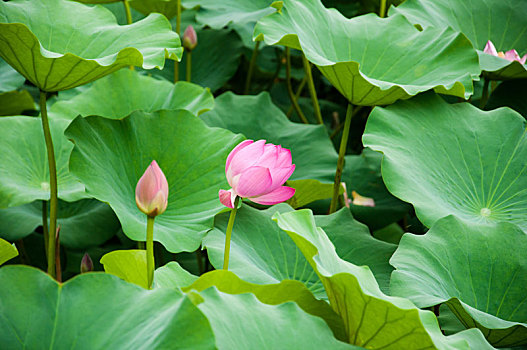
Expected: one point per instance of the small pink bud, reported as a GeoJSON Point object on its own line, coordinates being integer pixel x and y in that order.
{"type": "Point", "coordinates": [257, 171]}
{"type": "Point", "coordinates": [151, 193]}
{"type": "Point", "coordinates": [511, 55]}
{"type": "Point", "coordinates": [86, 263]}
{"type": "Point", "coordinates": [190, 38]}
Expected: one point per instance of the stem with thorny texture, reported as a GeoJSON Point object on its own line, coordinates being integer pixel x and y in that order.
{"type": "Point", "coordinates": [53, 200]}
{"type": "Point", "coordinates": [189, 65]}
{"type": "Point", "coordinates": [178, 30]}
{"type": "Point", "coordinates": [382, 10]}
{"type": "Point", "coordinates": [150, 263]}
{"type": "Point", "coordinates": [311, 87]}
{"type": "Point", "coordinates": [340, 162]}
{"type": "Point", "coordinates": [229, 233]}
{"type": "Point", "coordinates": [251, 68]}
{"type": "Point", "coordinates": [290, 86]}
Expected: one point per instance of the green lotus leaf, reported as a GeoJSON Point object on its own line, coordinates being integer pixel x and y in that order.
{"type": "Point", "coordinates": [478, 270]}
{"type": "Point", "coordinates": [7, 251]}
{"type": "Point", "coordinates": [371, 60]}
{"type": "Point", "coordinates": [83, 224]}
{"type": "Point", "coordinates": [98, 1]}
{"type": "Point", "coordinates": [509, 94]}
{"type": "Point", "coordinates": [214, 61]}
{"type": "Point", "coordinates": [258, 118]}
{"type": "Point", "coordinates": [111, 155]}
{"type": "Point", "coordinates": [129, 265]}
{"type": "Point", "coordinates": [42, 42]}
{"type": "Point", "coordinates": [172, 275]}
{"type": "Point", "coordinates": [502, 22]}
{"type": "Point", "coordinates": [362, 174]}
{"type": "Point", "coordinates": [15, 102]}
{"type": "Point", "coordinates": [10, 79]}
{"type": "Point", "coordinates": [126, 91]}
{"type": "Point", "coordinates": [24, 172]}
{"type": "Point", "coordinates": [272, 294]}
{"type": "Point", "coordinates": [308, 191]}
{"type": "Point", "coordinates": [241, 321]}
{"type": "Point", "coordinates": [240, 15]}
{"type": "Point", "coordinates": [95, 311]}
{"type": "Point", "coordinates": [461, 169]}
{"type": "Point", "coordinates": [372, 319]}
{"type": "Point", "coordinates": [166, 7]}
{"type": "Point", "coordinates": [262, 253]}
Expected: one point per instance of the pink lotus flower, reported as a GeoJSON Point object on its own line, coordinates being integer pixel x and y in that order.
{"type": "Point", "coordinates": [511, 55]}
{"type": "Point", "coordinates": [151, 193]}
{"type": "Point", "coordinates": [257, 171]}
{"type": "Point", "coordinates": [190, 38]}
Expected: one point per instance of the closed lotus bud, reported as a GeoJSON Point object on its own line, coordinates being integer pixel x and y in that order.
{"type": "Point", "coordinates": [511, 55]}
{"type": "Point", "coordinates": [190, 38]}
{"type": "Point", "coordinates": [257, 171]}
{"type": "Point", "coordinates": [86, 263]}
{"type": "Point", "coordinates": [151, 192]}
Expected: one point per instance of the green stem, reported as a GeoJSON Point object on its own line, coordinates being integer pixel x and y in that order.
{"type": "Point", "coordinates": [290, 86]}
{"type": "Point", "coordinates": [383, 8]}
{"type": "Point", "coordinates": [340, 126]}
{"type": "Point", "coordinates": [45, 224]}
{"type": "Point", "coordinates": [53, 200]}
{"type": "Point", "coordinates": [311, 87]}
{"type": "Point", "coordinates": [297, 95]}
{"type": "Point", "coordinates": [229, 233]}
{"type": "Point", "coordinates": [178, 31]}
{"type": "Point", "coordinates": [128, 12]}
{"type": "Point", "coordinates": [484, 94]}
{"type": "Point", "coordinates": [340, 162]}
{"type": "Point", "coordinates": [251, 68]}
{"type": "Point", "coordinates": [189, 65]}
{"type": "Point", "coordinates": [150, 264]}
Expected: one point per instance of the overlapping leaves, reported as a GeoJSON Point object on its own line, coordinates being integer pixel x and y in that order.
{"type": "Point", "coordinates": [373, 61]}
{"type": "Point", "coordinates": [479, 270]}
{"type": "Point", "coordinates": [41, 41]}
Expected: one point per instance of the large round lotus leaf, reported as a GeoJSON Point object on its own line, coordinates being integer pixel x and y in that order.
{"type": "Point", "coordinates": [241, 321]}
{"type": "Point", "coordinates": [214, 61]}
{"type": "Point", "coordinates": [83, 224]}
{"type": "Point", "coordinates": [126, 91]}
{"type": "Point", "coordinates": [240, 15]}
{"type": "Point", "coordinates": [111, 155]}
{"type": "Point", "coordinates": [479, 270]}
{"type": "Point", "coordinates": [15, 102]}
{"type": "Point", "coordinates": [272, 294]}
{"type": "Point", "coordinates": [447, 162]}
{"type": "Point", "coordinates": [372, 319]}
{"type": "Point", "coordinates": [502, 22]}
{"type": "Point", "coordinates": [24, 171]}
{"type": "Point", "coordinates": [362, 174]}
{"type": "Point", "coordinates": [95, 311]}
{"type": "Point", "coordinates": [262, 253]}
{"type": "Point", "coordinates": [7, 251]}
{"type": "Point", "coordinates": [370, 60]}
{"type": "Point", "coordinates": [258, 118]}
{"type": "Point", "coordinates": [56, 48]}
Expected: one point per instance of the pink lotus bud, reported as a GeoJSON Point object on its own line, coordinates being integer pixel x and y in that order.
{"type": "Point", "coordinates": [86, 263]}
{"type": "Point", "coordinates": [151, 193]}
{"type": "Point", "coordinates": [190, 38]}
{"type": "Point", "coordinates": [490, 49]}
{"type": "Point", "coordinates": [257, 171]}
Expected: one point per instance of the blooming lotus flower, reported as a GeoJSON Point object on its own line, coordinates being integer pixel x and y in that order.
{"type": "Point", "coordinates": [151, 192]}
{"type": "Point", "coordinates": [257, 171]}
{"type": "Point", "coordinates": [190, 38]}
{"type": "Point", "coordinates": [511, 55]}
